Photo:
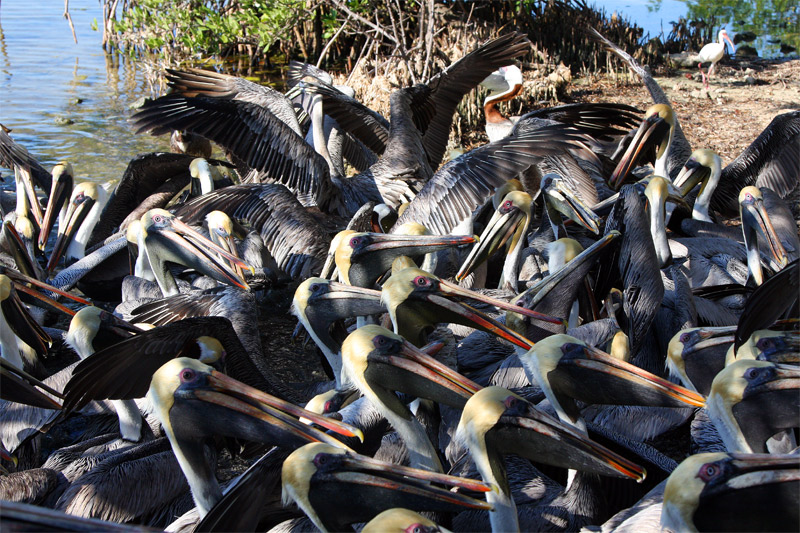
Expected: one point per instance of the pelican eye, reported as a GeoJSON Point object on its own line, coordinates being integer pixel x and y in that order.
{"type": "Point", "coordinates": [315, 287]}
{"type": "Point", "coordinates": [321, 459]}
{"type": "Point", "coordinates": [685, 337]}
{"type": "Point", "coordinates": [708, 471]}
{"type": "Point", "coordinates": [511, 402]}
{"type": "Point", "coordinates": [422, 281]}
{"type": "Point", "coordinates": [158, 219]}
{"type": "Point", "coordinates": [414, 528]}
{"type": "Point", "coordinates": [355, 241]}
{"type": "Point", "coordinates": [187, 375]}
{"type": "Point", "coordinates": [328, 407]}
{"type": "Point", "coordinates": [752, 373]}
{"type": "Point", "coordinates": [507, 205]}
{"type": "Point", "coordinates": [765, 344]}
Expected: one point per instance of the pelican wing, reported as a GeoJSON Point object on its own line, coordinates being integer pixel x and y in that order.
{"type": "Point", "coordinates": [464, 184]}
{"type": "Point", "coordinates": [449, 86]}
{"type": "Point", "coordinates": [770, 161]}
{"type": "Point", "coordinates": [295, 239]}
{"type": "Point", "coordinates": [769, 302]}
{"type": "Point", "coordinates": [251, 132]}
{"type": "Point", "coordinates": [14, 155]}
{"type": "Point", "coordinates": [354, 117]}
{"type": "Point", "coordinates": [123, 371]}
{"type": "Point", "coordinates": [599, 120]}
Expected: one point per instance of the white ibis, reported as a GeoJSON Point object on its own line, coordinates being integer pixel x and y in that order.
{"type": "Point", "coordinates": [713, 52]}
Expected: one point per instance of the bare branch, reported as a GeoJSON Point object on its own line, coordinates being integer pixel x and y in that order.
{"type": "Point", "coordinates": [342, 6]}
{"type": "Point", "coordinates": [69, 19]}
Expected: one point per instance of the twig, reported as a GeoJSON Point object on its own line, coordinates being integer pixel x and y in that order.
{"type": "Point", "coordinates": [342, 6]}
{"type": "Point", "coordinates": [69, 19]}
{"type": "Point", "coordinates": [330, 42]}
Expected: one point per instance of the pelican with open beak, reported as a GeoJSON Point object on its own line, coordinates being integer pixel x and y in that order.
{"type": "Point", "coordinates": [336, 488]}
{"type": "Point", "coordinates": [704, 167]}
{"type": "Point", "coordinates": [733, 492]}
{"type": "Point", "coordinates": [194, 403]}
{"type": "Point", "coordinates": [756, 224]}
{"type": "Point", "coordinates": [650, 144]}
{"type": "Point", "coordinates": [59, 200]}
{"type": "Point", "coordinates": [416, 300]}
{"type": "Point", "coordinates": [568, 369]}
{"type": "Point", "coordinates": [497, 422]}
{"type": "Point", "coordinates": [168, 239]}
{"type": "Point", "coordinates": [362, 258]}
{"type": "Point", "coordinates": [318, 303]}
{"type": "Point", "coordinates": [21, 337]}
{"type": "Point", "coordinates": [560, 201]}
{"type": "Point", "coordinates": [508, 224]}
{"type": "Point", "coordinates": [750, 401]}
{"type": "Point", "coordinates": [83, 213]}
{"type": "Point", "coordinates": [380, 362]}
{"type": "Point", "coordinates": [695, 355]}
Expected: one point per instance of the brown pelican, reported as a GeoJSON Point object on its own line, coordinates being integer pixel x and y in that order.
{"type": "Point", "coordinates": [85, 206]}
{"type": "Point", "coordinates": [362, 258]}
{"type": "Point", "coordinates": [336, 488]}
{"type": "Point", "coordinates": [380, 362]}
{"type": "Point", "coordinates": [509, 224]}
{"type": "Point", "coordinates": [16, 157]}
{"type": "Point", "coordinates": [163, 239]}
{"type": "Point", "coordinates": [297, 241]}
{"type": "Point", "coordinates": [750, 401]}
{"type": "Point", "coordinates": [560, 200]}
{"type": "Point", "coordinates": [696, 355]}
{"type": "Point", "coordinates": [733, 492]}
{"type": "Point", "coordinates": [416, 300]}
{"type": "Point", "coordinates": [560, 362]}
{"type": "Point", "coordinates": [63, 178]}
{"type": "Point", "coordinates": [496, 422]}
{"type": "Point", "coordinates": [318, 303]}
{"type": "Point", "coordinates": [756, 223]}
{"type": "Point", "coordinates": [22, 339]}
{"type": "Point", "coordinates": [651, 143]}
{"type": "Point", "coordinates": [195, 403]}
{"type": "Point", "coordinates": [504, 84]}
{"type": "Point", "coordinates": [679, 150]}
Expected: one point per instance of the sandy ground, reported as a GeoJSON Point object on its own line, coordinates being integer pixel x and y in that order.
{"type": "Point", "coordinates": [743, 97]}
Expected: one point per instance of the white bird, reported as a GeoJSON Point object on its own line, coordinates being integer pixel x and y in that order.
{"type": "Point", "coordinates": [712, 53]}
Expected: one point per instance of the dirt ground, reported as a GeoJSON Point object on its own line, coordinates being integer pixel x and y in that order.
{"type": "Point", "coordinates": [743, 97]}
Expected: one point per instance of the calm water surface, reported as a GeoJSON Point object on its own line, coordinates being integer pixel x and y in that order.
{"type": "Point", "coordinates": [46, 77]}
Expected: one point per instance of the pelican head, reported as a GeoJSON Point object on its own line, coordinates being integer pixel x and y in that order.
{"type": "Point", "coordinates": [773, 346]}
{"type": "Point", "coordinates": [82, 214]}
{"type": "Point", "coordinates": [649, 143]}
{"type": "Point", "coordinates": [363, 257]}
{"type": "Point", "coordinates": [57, 202]}
{"type": "Point", "coordinates": [167, 239]}
{"type": "Point", "coordinates": [504, 84]}
{"type": "Point", "coordinates": [194, 403]}
{"type": "Point", "coordinates": [375, 358]}
{"type": "Point", "coordinates": [656, 193]}
{"type": "Point", "coordinates": [756, 224]}
{"type": "Point", "coordinates": [732, 492]}
{"type": "Point", "coordinates": [511, 218]}
{"type": "Point", "coordinates": [750, 401]}
{"type": "Point", "coordinates": [568, 369]}
{"type": "Point", "coordinates": [336, 488]}
{"type": "Point", "coordinates": [561, 201]}
{"type": "Point", "coordinates": [416, 300]}
{"type": "Point", "coordinates": [695, 355]}
{"type": "Point", "coordinates": [16, 321]}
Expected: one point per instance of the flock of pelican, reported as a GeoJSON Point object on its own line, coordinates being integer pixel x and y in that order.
{"type": "Point", "coordinates": [544, 333]}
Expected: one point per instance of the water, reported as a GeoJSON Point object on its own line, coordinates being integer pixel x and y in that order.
{"type": "Point", "coordinates": [44, 76]}
{"type": "Point", "coordinates": [772, 21]}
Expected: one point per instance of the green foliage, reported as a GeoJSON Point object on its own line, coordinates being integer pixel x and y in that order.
{"type": "Point", "coordinates": [206, 27]}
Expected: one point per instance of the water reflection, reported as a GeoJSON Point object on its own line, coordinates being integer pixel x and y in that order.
{"type": "Point", "coordinates": [773, 23]}
{"type": "Point", "coordinates": [67, 101]}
